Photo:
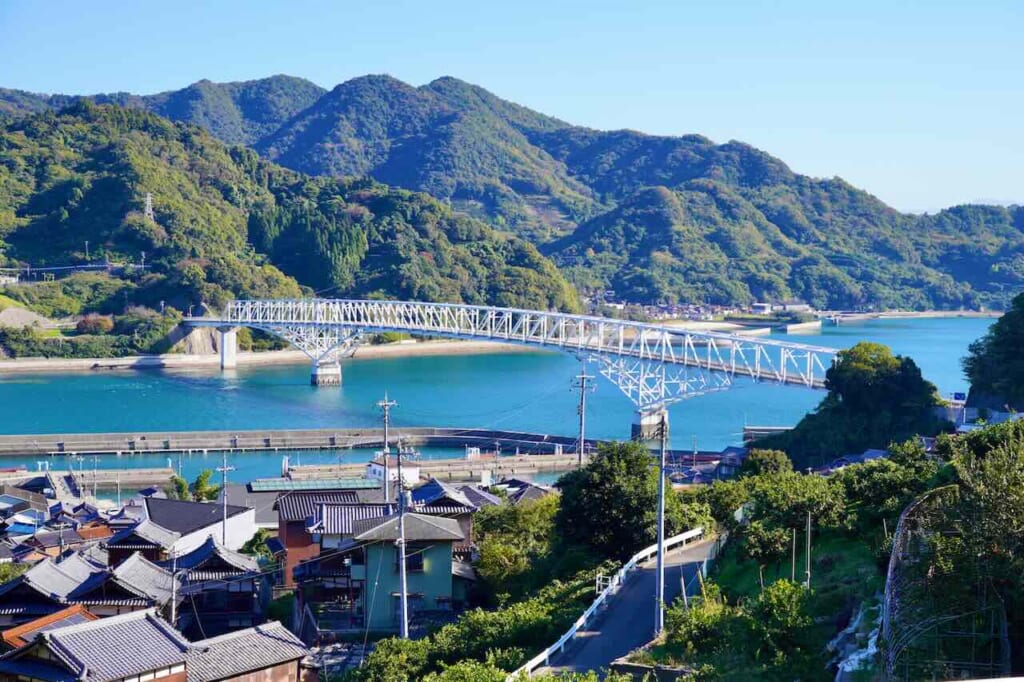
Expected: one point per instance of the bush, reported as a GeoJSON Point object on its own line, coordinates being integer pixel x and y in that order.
{"type": "Point", "coordinates": [95, 324]}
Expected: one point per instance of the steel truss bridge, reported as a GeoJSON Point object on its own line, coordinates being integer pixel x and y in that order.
{"type": "Point", "coordinates": [653, 365]}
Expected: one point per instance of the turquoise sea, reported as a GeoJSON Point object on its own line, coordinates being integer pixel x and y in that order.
{"type": "Point", "coordinates": [524, 391]}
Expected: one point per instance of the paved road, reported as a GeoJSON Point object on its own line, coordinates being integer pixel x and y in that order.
{"type": "Point", "coordinates": [628, 621]}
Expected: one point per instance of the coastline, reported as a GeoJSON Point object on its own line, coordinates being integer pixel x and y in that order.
{"type": "Point", "coordinates": [252, 359]}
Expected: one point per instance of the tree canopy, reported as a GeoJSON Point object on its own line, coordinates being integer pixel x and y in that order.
{"type": "Point", "coordinates": [995, 362]}
{"type": "Point", "coordinates": [874, 398]}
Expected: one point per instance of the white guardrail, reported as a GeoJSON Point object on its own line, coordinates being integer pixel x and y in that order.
{"type": "Point", "coordinates": [544, 657]}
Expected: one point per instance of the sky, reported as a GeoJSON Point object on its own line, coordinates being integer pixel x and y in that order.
{"type": "Point", "coordinates": [920, 103]}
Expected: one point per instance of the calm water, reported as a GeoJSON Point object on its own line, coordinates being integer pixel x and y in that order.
{"type": "Point", "coordinates": [529, 392]}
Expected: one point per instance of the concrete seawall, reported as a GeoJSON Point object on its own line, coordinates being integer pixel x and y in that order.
{"type": "Point", "coordinates": [272, 439]}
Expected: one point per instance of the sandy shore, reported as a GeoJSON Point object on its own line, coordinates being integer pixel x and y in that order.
{"type": "Point", "coordinates": [246, 359]}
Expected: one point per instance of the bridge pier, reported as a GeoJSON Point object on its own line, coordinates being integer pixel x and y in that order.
{"type": "Point", "coordinates": [228, 343]}
{"type": "Point", "coordinates": [647, 425]}
{"type": "Point", "coordinates": [326, 373]}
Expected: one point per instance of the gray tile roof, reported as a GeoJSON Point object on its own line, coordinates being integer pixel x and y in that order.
{"type": "Point", "coordinates": [480, 497]}
{"type": "Point", "coordinates": [418, 527]}
{"type": "Point", "coordinates": [145, 533]}
{"type": "Point", "coordinates": [184, 517]}
{"type": "Point", "coordinates": [141, 575]}
{"type": "Point", "coordinates": [339, 519]}
{"type": "Point", "coordinates": [209, 553]}
{"type": "Point", "coordinates": [244, 651]}
{"type": "Point", "coordinates": [118, 646]}
{"type": "Point", "coordinates": [59, 579]}
{"type": "Point", "coordinates": [299, 506]}
{"type": "Point", "coordinates": [435, 492]}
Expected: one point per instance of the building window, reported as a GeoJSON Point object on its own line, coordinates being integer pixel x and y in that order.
{"type": "Point", "coordinates": [413, 557]}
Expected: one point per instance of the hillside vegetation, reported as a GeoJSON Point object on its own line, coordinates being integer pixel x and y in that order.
{"type": "Point", "coordinates": [227, 223]}
{"type": "Point", "coordinates": [652, 218]}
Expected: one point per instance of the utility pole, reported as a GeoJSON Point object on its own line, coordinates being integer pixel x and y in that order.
{"type": "Point", "coordinates": [385, 406]}
{"type": "Point", "coordinates": [224, 469]}
{"type": "Point", "coordinates": [792, 573]}
{"type": "Point", "coordinates": [174, 588]}
{"type": "Point", "coordinates": [86, 250]}
{"type": "Point", "coordinates": [581, 383]}
{"type": "Point", "coordinates": [659, 597]}
{"type": "Point", "coordinates": [404, 589]}
{"type": "Point", "coordinates": [808, 569]}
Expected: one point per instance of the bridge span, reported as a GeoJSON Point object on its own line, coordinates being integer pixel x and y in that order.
{"type": "Point", "coordinates": [653, 365]}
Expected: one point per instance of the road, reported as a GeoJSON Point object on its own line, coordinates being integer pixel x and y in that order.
{"type": "Point", "coordinates": [628, 621]}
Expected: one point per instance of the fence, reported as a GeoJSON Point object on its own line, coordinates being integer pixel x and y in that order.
{"type": "Point", "coordinates": [544, 657]}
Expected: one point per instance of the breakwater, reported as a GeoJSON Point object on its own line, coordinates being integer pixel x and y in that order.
{"type": "Point", "coordinates": [128, 443]}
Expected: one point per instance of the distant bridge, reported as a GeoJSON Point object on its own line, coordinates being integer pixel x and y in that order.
{"type": "Point", "coordinates": [653, 365]}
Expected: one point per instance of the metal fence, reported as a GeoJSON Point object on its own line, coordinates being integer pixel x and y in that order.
{"type": "Point", "coordinates": [544, 657]}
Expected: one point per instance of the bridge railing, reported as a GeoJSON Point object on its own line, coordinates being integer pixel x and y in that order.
{"type": "Point", "coordinates": [732, 354]}
{"type": "Point", "coordinates": [544, 657]}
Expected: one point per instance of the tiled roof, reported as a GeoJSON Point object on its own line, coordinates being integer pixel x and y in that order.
{"type": "Point", "coordinates": [237, 653]}
{"type": "Point", "coordinates": [141, 575]}
{"type": "Point", "coordinates": [97, 650]}
{"type": "Point", "coordinates": [57, 579]}
{"type": "Point", "coordinates": [480, 497]}
{"type": "Point", "coordinates": [528, 492]}
{"type": "Point", "coordinates": [25, 633]}
{"type": "Point", "coordinates": [418, 527]}
{"type": "Point", "coordinates": [438, 492]}
{"type": "Point", "coordinates": [145, 534]}
{"type": "Point", "coordinates": [340, 519]}
{"type": "Point", "coordinates": [56, 538]}
{"type": "Point", "coordinates": [16, 668]}
{"type": "Point", "coordinates": [210, 552]}
{"type": "Point", "coordinates": [299, 506]}
{"type": "Point", "coordinates": [184, 517]}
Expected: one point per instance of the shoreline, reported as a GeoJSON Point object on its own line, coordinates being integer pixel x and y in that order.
{"type": "Point", "coordinates": [252, 359]}
{"type": "Point", "coordinates": [914, 314]}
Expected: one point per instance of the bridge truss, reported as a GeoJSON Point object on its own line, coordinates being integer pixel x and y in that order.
{"type": "Point", "coordinates": [653, 365]}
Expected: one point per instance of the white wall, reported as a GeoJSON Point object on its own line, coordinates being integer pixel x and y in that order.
{"type": "Point", "coordinates": [241, 527]}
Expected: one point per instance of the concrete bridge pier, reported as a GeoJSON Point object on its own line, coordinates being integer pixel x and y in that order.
{"type": "Point", "coordinates": [327, 373]}
{"type": "Point", "coordinates": [647, 425]}
{"type": "Point", "coordinates": [228, 343]}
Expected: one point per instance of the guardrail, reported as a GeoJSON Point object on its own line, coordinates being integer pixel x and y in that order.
{"type": "Point", "coordinates": [544, 657]}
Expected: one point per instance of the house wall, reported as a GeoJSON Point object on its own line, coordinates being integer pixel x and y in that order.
{"type": "Point", "coordinates": [298, 545]}
{"type": "Point", "coordinates": [285, 672]}
{"type": "Point", "coordinates": [241, 527]}
{"type": "Point", "coordinates": [434, 581]}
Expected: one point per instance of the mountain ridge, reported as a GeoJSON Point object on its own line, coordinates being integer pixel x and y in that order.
{"type": "Point", "coordinates": [544, 179]}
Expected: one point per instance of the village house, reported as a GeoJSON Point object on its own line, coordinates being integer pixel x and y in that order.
{"type": "Point", "coordinates": [76, 578]}
{"type": "Point", "coordinates": [357, 585]}
{"type": "Point", "coordinates": [171, 527]}
{"type": "Point", "coordinates": [141, 646]}
{"type": "Point", "coordinates": [295, 511]}
{"type": "Point", "coordinates": [225, 590]}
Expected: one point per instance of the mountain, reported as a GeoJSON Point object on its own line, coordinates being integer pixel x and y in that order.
{"type": "Point", "coordinates": [227, 223]}
{"type": "Point", "coordinates": [236, 113]}
{"type": "Point", "coordinates": [653, 218]}
{"type": "Point", "coordinates": [453, 140]}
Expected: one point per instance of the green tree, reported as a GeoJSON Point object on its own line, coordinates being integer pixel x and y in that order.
{"type": "Point", "coordinates": [874, 398]}
{"type": "Point", "coordinates": [257, 545]}
{"type": "Point", "coordinates": [611, 503]}
{"type": "Point", "coordinates": [782, 616]}
{"type": "Point", "coordinates": [764, 545]}
{"type": "Point", "coordinates": [202, 490]}
{"type": "Point", "coordinates": [180, 488]}
{"type": "Point", "coordinates": [760, 462]}
{"type": "Point", "coordinates": [994, 364]}
{"type": "Point", "coordinates": [10, 571]}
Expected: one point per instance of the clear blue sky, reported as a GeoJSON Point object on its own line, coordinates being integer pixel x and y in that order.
{"type": "Point", "coordinates": [921, 103]}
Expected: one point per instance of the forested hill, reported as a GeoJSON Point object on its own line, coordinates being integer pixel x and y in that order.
{"type": "Point", "coordinates": [237, 113]}
{"type": "Point", "coordinates": [228, 223]}
{"type": "Point", "coordinates": [732, 225]}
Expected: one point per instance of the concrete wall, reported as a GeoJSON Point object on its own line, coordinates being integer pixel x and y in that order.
{"type": "Point", "coordinates": [241, 527]}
